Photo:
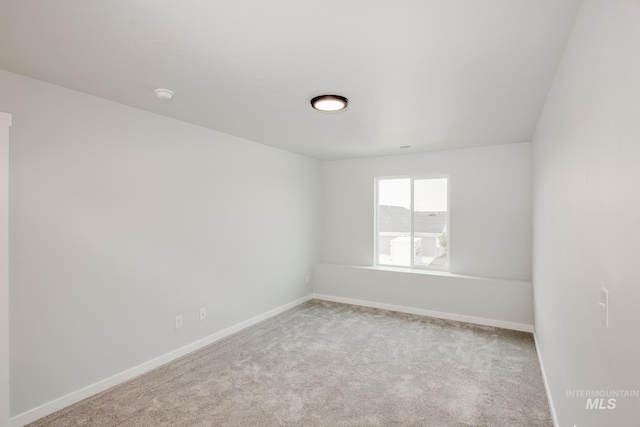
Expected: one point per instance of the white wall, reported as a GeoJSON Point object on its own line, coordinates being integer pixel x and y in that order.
{"type": "Point", "coordinates": [5, 124]}
{"type": "Point", "coordinates": [490, 236]}
{"type": "Point", "coordinates": [122, 219]}
{"type": "Point", "coordinates": [495, 302]}
{"type": "Point", "coordinates": [586, 176]}
{"type": "Point", "coordinates": [490, 203]}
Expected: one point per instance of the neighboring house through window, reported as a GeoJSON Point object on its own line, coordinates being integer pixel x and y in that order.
{"type": "Point", "coordinates": [412, 222]}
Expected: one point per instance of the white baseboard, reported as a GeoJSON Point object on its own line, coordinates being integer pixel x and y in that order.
{"type": "Point", "coordinates": [429, 313]}
{"type": "Point", "coordinates": [78, 395]}
{"type": "Point", "coordinates": [554, 416]}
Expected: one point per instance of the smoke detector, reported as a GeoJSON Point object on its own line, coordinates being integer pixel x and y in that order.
{"type": "Point", "coordinates": [164, 94]}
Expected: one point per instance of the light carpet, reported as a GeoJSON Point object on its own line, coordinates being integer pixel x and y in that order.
{"type": "Point", "coordinates": [329, 364]}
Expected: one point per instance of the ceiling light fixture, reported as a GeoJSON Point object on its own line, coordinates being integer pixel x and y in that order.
{"type": "Point", "coordinates": [164, 94]}
{"type": "Point", "coordinates": [329, 102]}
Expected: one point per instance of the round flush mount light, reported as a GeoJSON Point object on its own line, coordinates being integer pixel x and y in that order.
{"type": "Point", "coordinates": [164, 94]}
{"type": "Point", "coordinates": [329, 102]}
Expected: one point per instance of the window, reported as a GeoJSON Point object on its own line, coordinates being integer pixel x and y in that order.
{"type": "Point", "coordinates": [412, 222]}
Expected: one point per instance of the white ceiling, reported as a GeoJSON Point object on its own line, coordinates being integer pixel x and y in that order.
{"type": "Point", "coordinates": [431, 74]}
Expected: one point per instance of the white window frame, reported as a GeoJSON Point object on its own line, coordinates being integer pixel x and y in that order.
{"type": "Point", "coordinates": [376, 239]}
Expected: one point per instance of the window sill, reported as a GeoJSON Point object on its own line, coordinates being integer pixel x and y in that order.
{"type": "Point", "coordinates": [433, 273]}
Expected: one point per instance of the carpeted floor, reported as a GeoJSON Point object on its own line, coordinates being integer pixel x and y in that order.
{"type": "Point", "coordinates": [328, 364]}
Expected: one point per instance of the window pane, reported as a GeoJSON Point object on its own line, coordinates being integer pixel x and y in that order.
{"type": "Point", "coordinates": [394, 222]}
{"type": "Point", "coordinates": [430, 204]}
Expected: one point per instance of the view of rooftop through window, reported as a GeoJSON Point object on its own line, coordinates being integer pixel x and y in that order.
{"type": "Point", "coordinates": [412, 222]}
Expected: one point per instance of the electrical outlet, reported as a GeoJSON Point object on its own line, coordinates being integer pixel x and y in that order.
{"type": "Point", "coordinates": [203, 313]}
{"type": "Point", "coordinates": [306, 279]}
{"type": "Point", "coordinates": [604, 306]}
{"type": "Point", "coordinates": [179, 321]}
